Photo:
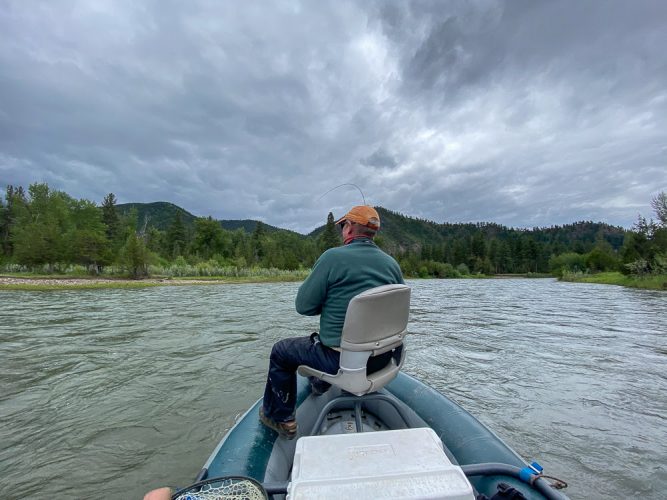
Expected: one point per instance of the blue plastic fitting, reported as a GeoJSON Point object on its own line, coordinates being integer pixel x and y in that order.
{"type": "Point", "coordinates": [526, 474]}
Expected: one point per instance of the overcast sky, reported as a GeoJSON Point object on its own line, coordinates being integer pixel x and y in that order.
{"type": "Point", "coordinates": [523, 113]}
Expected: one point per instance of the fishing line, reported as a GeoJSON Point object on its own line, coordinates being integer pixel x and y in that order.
{"type": "Point", "coordinates": [341, 185]}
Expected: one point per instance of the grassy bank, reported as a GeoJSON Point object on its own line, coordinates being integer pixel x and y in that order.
{"type": "Point", "coordinates": [654, 282]}
{"type": "Point", "coordinates": [41, 282]}
{"type": "Point", "coordinates": [42, 286]}
{"type": "Point", "coordinates": [79, 280]}
{"type": "Point", "coordinates": [521, 275]}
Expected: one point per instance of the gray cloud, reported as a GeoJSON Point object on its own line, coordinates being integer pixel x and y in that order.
{"type": "Point", "coordinates": [380, 158]}
{"type": "Point", "coordinates": [522, 113]}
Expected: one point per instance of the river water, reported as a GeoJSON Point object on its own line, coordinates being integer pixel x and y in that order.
{"type": "Point", "coordinates": [109, 393]}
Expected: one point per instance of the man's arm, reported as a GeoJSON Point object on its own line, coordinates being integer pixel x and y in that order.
{"type": "Point", "coordinates": [313, 292]}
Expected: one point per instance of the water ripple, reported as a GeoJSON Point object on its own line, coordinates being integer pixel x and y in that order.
{"type": "Point", "coordinates": [112, 392]}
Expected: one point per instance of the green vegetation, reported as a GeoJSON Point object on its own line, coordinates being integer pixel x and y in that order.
{"type": "Point", "coordinates": [211, 269]}
{"type": "Point", "coordinates": [489, 249]}
{"type": "Point", "coordinates": [48, 232]}
{"type": "Point", "coordinates": [651, 282]}
{"type": "Point", "coordinates": [641, 262]}
{"type": "Point", "coordinates": [329, 237]}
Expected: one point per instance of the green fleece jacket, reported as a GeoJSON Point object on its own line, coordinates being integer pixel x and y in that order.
{"type": "Point", "coordinates": [340, 274]}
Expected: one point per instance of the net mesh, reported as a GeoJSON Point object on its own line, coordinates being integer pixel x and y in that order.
{"type": "Point", "coordinates": [227, 489]}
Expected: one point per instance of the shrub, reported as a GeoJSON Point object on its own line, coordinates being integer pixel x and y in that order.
{"type": "Point", "coordinates": [440, 270]}
{"type": "Point", "coordinates": [567, 262]}
{"type": "Point", "coordinates": [463, 269]}
{"type": "Point", "coordinates": [599, 260]}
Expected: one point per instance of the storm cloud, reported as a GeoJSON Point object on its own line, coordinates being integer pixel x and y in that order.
{"type": "Point", "coordinates": [521, 113]}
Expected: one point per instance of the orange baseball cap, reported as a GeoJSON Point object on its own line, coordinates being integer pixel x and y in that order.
{"type": "Point", "coordinates": [364, 215]}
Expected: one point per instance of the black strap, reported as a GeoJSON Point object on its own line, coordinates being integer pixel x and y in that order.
{"type": "Point", "coordinates": [505, 492]}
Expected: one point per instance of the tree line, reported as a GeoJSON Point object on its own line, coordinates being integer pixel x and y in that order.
{"type": "Point", "coordinates": [48, 229]}
{"type": "Point", "coordinates": [448, 250]}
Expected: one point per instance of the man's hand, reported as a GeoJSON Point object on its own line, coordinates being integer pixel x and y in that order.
{"type": "Point", "coordinates": [158, 494]}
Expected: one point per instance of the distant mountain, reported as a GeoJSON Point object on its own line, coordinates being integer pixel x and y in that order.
{"type": "Point", "coordinates": [249, 226]}
{"type": "Point", "coordinates": [160, 215]}
{"type": "Point", "coordinates": [401, 232]}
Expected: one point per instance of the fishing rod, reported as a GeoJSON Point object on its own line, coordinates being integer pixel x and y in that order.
{"type": "Point", "coordinates": [345, 184]}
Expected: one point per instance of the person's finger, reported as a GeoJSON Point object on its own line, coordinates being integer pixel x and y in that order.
{"type": "Point", "coordinates": [158, 494]}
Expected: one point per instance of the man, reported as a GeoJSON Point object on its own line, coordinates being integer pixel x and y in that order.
{"type": "Point", "coordinates": [337, 276]}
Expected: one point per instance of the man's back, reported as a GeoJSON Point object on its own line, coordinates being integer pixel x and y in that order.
{"type": "Point", "coordinates": [340, 274]}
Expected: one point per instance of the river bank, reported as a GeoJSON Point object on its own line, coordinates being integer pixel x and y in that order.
{"type": "Point", "coordinates": [654, 282]}
{"type": "Point", "coordinates": [63, 282]}
{"type": "Point", "coordinates": [40, 283]}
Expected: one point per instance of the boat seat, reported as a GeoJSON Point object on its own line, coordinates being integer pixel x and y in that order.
{"type": "Point", "coordinates": [375, 322]}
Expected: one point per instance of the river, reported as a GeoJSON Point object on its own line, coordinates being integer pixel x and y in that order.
{"type": "Point", "coordinates": [109, 393]}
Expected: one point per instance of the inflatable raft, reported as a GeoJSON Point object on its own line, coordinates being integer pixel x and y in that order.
{"type": "Point", "coordinates": [404, 441]}
{"type": "Point", "coordinates": [376, 433]}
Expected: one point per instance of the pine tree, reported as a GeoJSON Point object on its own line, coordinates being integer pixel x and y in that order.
{"type": "Point", "coordinates": [659, 205]}
{"type": "Point", "coordinates": [478, 245]}
{"type": "Point", "coordinates": [243, 254]}
{"type": "Point", "coordinates": [4, 237]}
{"type": "Point", "coordinates": [88, 244]}
{"type": "Point", "coordinates": [503, 258]}
{"type": "Point", "coordinates": [257, 241]}
{"type": "Point", "coordinates": [134, 256]}
{"type": "Point", "coordinates": [460, 252]}
{"type": "Point", "coordinates": [15, 206]}
{"type": "Point", "coordinates": [329, 237]}
{"type": "Point", "coordinates": [210, 239]}
{"type": "Point", "coordinates": [176, 237]}
{"type": "Point", "coordinates": [110, 216]}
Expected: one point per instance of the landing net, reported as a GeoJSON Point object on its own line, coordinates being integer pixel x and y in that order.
{"type": "Point", "coordinates": [225, 489]}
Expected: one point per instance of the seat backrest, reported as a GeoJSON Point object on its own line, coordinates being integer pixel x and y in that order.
{"type": "Point", "coordinates": [377, 319]}
{"type": "Point", "coordinates": [376, 322]}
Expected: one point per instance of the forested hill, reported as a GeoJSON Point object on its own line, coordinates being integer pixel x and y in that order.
{"type": "Point", "coordinates": [422, 246]}
{"type": "Point", "coordinates": [161, 214]}
{"type": "Point", "coordinates": [482, 247]}
{"type": "Point", "coordinates": [48, 227]}
{"type": "Point", "coordinates": [401, 233]}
